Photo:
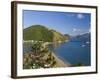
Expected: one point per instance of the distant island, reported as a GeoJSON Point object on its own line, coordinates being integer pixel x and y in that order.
{"type": "Point", "coordinates": [41, 56]}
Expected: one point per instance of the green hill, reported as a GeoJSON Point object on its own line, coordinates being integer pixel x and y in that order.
{"type": "Point", "coordinates": [58, 36]}
{"type": "Point", "coordinates": [41, 33]}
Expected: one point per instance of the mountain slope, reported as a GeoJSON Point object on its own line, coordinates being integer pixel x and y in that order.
{"type": "Point", "coordinates": [84, 37]}
{"type": "Point", "coordinates": [58, 36]}
{"type": "Point", "coordinates": [37, 32]}
{"type": "Point", "coordinates": [41, 33]}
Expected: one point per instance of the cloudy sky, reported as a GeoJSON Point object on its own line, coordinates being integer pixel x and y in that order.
{"type": "Point", "coordinates": [64, 22]}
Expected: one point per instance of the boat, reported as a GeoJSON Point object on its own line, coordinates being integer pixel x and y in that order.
{"type": "Point", "coordinates": [87, 42]}
{"type": "Point", "coordinates": [83, 45]}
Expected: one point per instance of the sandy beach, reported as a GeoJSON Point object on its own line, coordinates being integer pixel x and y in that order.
{"type": "Point", "coordinates": [60, 63]}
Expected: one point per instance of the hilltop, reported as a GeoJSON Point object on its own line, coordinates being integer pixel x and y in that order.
{"type": "Point", "coordinates": [42, 33]}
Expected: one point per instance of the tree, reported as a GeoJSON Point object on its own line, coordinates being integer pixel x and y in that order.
{"type": "Point", "coordinates": [39, 57]}
{"type": "Point", "coordinates": [36, 48]}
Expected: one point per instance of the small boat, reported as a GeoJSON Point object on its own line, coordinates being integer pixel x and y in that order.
{"type": "Point", "coordinates": [87, 42]}
{"type": "Point", "coordinates": [83, 45]}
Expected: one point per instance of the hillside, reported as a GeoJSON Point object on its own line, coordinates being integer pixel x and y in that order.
{"type": "Point", "coordinates": [83, 37]}
{"type": "Point", "coordinates": [41, 33]}
{"type": "Point", "coordinates": [37, 32]}
{"type": "Point", "coordinates": [58, 36]}
{"type": "Point", "coordinates": [67, 36]}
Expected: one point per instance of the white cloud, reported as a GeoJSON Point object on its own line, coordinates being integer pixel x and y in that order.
{"type": "Point", "coordinates": [76, 30]}
{"type": "Point", "coordinates": [80, 16]}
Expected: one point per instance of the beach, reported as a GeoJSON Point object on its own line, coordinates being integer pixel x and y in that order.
{"type": "Point", "coordinates": [59, 62]}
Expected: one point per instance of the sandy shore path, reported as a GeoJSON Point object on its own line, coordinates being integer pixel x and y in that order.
{"type": "Point", "coordinates": [60, 63]}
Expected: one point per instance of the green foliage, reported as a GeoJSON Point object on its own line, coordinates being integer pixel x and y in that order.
{"type": "Point", "coordinates": [58, 36]}
{"type": "Point", "coordinates": [41, 33]}
{"type": "Point", "coordinates": [27, 62]}
{"type": "Point", "coordinates": [36, 48]}
{"type": "Point", "coordinates": [37, 33]}
{"type": "Point", "coordinates": [39, 57]}
{"type": "Point", "coordinates": [79, 64]}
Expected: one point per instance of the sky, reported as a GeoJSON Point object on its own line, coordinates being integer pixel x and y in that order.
{"type": "Point", "coordinates": [64, 22]}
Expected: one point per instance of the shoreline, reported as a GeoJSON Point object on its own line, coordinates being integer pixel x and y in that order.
{"type": "Point", "coordinates": [60, 63]}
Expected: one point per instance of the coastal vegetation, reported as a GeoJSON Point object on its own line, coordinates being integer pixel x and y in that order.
{"type": "Point", "coordinates": [41, 56]}
{"type": "Point", "coordinates": [78, 64]}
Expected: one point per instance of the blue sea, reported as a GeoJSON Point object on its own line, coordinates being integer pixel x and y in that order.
{"type": "Point", "coordinates": [73, 52]}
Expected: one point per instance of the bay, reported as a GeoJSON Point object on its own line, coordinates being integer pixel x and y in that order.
{"type": "Point", "coordinates": [73, 52]}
